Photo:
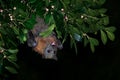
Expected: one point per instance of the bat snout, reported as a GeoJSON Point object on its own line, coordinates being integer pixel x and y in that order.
{"type": "Point", "coordinates": [50, 52]}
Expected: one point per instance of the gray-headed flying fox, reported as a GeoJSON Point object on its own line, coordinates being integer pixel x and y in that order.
{"type": "Point", "coordinates": [45, 46]}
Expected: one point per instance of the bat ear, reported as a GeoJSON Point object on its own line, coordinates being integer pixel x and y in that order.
{"type": "Point", "coordinates": [59, 44]}
{"type": "Point", "coordinates": [31, 39]}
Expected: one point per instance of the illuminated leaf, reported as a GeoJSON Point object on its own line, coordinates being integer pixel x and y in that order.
{"type": "Point", "coordinates": [103, 10]}
{"type": "Point", "coordinates": [11, 69]}
{"type": "Point", "coordinates": [77, 37]}
{"type": "Point", "coordinates": [12, 51]}
{"type": "Point", "coordinates": [103, 37]}
{"type": "Point", "coordinates": [32, 1]}
{"type": "Point", "coordinates": [110, 29]}
{"type": "Point", "coordinates": [110, 35]}
{"type": "Point", "coordinates": [48, 31]}
{"type": "Point", "coordinates": [106, 20]}
{"type": "Point", "coordinates": [73, 43]}
{"type": "Point", "coordinates": [92, 47]}
{"type": "Point", "coordinates": [16, 30]}
{"type": "Point", "coordinates": [93, 42]}
{"type": "Point", "coordinates": [49, 19]}
{"type": "Point", "coordinates": [12, 57]}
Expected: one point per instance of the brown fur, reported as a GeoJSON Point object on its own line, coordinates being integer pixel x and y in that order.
{"type": "Point", "coordinates": [42, 43]}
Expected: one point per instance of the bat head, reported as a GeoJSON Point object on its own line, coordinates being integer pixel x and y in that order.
{"type": "Point", "coordinates": [50, 52]}
{"type": "Point", "coordinates": [47, 46]}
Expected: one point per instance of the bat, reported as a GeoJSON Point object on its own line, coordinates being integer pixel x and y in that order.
{"type": "Point", "coordinates": [45, 46]}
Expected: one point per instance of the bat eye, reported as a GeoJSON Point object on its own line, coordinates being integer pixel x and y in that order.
{"type": "Point", "coordinates": [48, 51]}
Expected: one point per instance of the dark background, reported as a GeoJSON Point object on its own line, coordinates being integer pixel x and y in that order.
{"type": "Point", "coordinates": [104, 64]}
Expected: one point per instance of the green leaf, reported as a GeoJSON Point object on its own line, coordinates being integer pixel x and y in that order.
{"type": "Point", "coordinates": [106, 20]}
{"type": "Point", "coordinates": [103, 37]}
{"type": "Point", "coordinates": [75, 46]}
{"type": "Point", "coordinates": [85, 41]}
{"type": "Point", "coordinates": [25, 31]}
{"type": "Point", "coordinates": [59, 34]}
{"type": "Point", "coordinates": [51, 28]}
{"type": "Point", "coordinates": [20, 14]}
{"type": "Point", "coordinates": [47, 2]}
{"type": "Point", "coordinates": [101, 2]}
{"type": "Point", "coordinates": [48, 31]}
{"type": "Point", "coordinates": [102, 11]}
{"type": "Point", "coordinates": [77, 37]}
{"type": "Point", "coordinates": [14, 63]}
{"type": "Point", "coordinates": [92, 47]}
{"type": "Point", "coordinates": [11, 70]}
{"type": "Point", "coordinates": [12, 50]}
{"type": "Point", "coordinates": [65, 37]}
{"type": "Point", "coordinates": [32, 1]}
{"type": "Point", "coordinates": [12, 57]}
{"type": "Point", "coordinates": [79, 21]}
{"type": "Point", "coordinates": [75, 30]}
{"type": "Point", "coordinates": [73, 43]}
{"type": "Point", "coordinates": [93, 42]}
{"type": "Point", "coordinates": [92, 12]}
{"type": "Point", "coordinates": [49, 19]}
{"type": "Point", "coordinates": [16, 30]}
{"type": "Point", "coordinates": [110, 29]}
{"type": "Point", "coordinates": [24, 38]}
{"type": "Point", "coordinates": [110, 35]}
{"type": "Point", "coordinates": [30, 22]}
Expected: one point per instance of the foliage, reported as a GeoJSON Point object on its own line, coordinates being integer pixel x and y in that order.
{"type": "Point", "coordinates": [81, 20]}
